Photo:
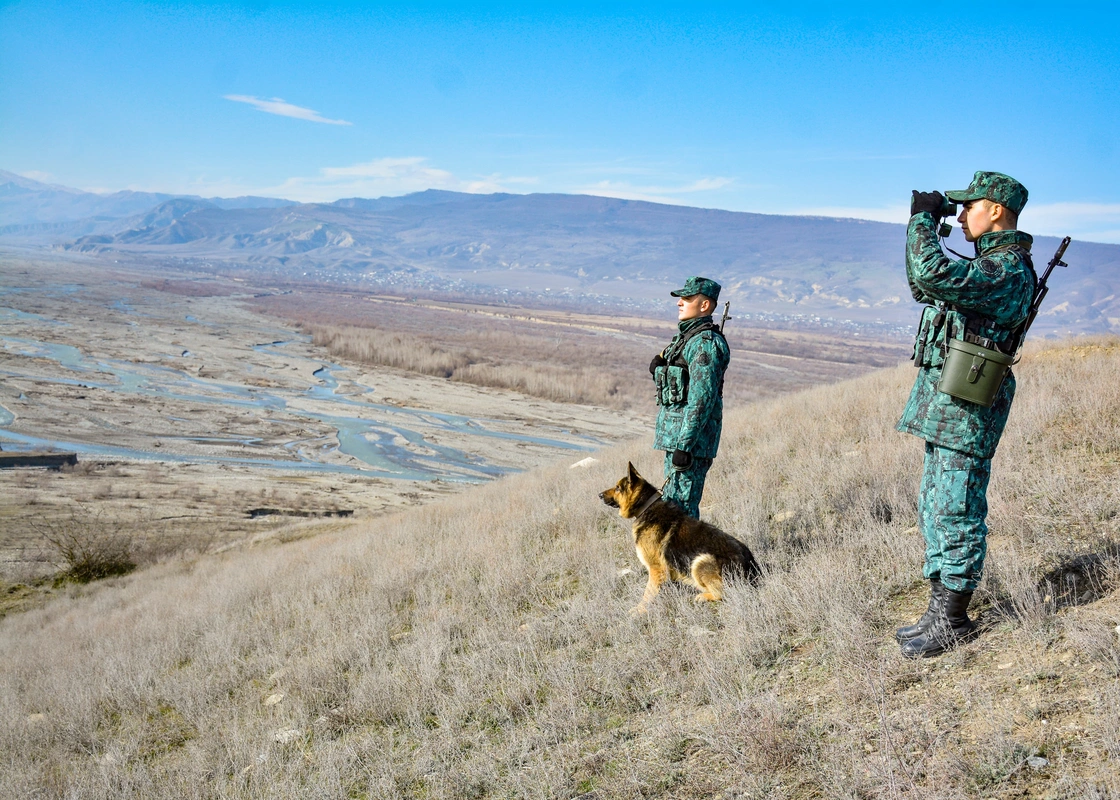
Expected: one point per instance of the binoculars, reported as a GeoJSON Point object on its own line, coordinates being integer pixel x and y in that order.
{"type": "Point", "coordinates": [948, 209]}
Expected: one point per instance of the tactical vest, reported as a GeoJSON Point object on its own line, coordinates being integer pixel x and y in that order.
{"type": "Point", "coordinates": [671, 380]}
{"type": "Point", "coordinates": [975, 353]}
{"type": "Point", "coordinates": [943, 322]}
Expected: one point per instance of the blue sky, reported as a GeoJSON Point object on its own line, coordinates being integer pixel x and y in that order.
{"type": "Point", "coordinates": [838, 109]}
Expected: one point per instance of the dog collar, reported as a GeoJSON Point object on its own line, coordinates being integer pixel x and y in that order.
{"type": "Point", "coordinates": [645, 507]}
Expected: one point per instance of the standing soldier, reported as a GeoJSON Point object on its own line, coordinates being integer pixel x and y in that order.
{"type": "Point", "coordinates": [968, 328]}
{"type": "Point", "coordinates": [688, 375]}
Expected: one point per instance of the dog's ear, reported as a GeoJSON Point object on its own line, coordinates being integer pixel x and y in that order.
{"type": "Point", "coordinates": [633, 473]}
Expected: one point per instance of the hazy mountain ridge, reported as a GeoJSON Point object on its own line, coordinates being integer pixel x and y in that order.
{"type": "Point", "coordinates": [543, 243]}
{"type": "Point", "coordinates": [24, 201]}
{"type": "Point", "coordinates": [576, 247]}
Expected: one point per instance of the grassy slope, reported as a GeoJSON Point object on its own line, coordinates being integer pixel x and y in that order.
{"type": "Point", "coordinates": [481, 647]}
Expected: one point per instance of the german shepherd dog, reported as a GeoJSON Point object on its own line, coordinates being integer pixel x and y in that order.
{"type": "Point", "coordinates": [673, 545]}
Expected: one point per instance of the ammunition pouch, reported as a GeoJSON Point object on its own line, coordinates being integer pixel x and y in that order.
{"type": "Point", "coordinates": [926, 338]}
{"type": "Point", "coordinates": [940, 325]}
{"type": "Point", "coordinates": [973, 372]}
{"type": "Point", "coordinates": [671, 382]}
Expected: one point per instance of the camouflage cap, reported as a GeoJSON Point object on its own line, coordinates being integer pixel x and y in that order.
{"type": "Point", "coordinates": [698, 285]}
{"type": "Point", "coordinates": [994, 186]}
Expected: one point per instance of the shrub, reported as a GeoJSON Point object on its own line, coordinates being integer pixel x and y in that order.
{"type": "Point", "coordinates": [87, 551]}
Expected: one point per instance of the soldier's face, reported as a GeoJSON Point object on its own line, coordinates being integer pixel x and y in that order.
{"type": "Point", "coordinates": [978, 217]}
{"type": "Point", "coordinates": [692, 307]}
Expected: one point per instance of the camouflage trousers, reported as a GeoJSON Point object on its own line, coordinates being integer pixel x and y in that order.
{"type": "Point", "coordinates": [951, 512]}
{"type": "Point", "coordinates": [685, 487]}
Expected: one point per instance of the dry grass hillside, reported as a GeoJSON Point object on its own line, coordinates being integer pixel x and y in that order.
{"type": "Point", "coordinates": [564, 356]}
{"type": "Point", "coordinates": [481, 647]}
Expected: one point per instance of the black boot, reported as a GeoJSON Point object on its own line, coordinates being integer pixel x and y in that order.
{"type": "Point", "coordinates": [918, 628]}
{"type": "Point", "coordinates": [949, 628]}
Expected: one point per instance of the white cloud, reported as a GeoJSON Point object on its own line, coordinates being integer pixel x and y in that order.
{"type": "Point", "coordinates": [391, 169]}
{"type": "Point", "coordinates": [384, 177]}
{"type": "Point", "coordinates": [283, 109]}
{"type": "Point", "coordinates": [200, 185]}
{"type": "Point", "coordinates": [36, 175]}
{"type": "Point", "coordinates": [653, 194]}
{"type": "Point", "coordinates": [1095, 222]}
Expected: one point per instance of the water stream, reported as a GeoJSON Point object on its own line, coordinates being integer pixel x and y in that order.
{"type": "Point", "coordinates": [384, 439]}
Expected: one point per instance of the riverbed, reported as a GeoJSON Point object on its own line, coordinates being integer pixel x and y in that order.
{"type": "Point", "coordinates": [212, 411]}
{"type": "Point", "coordinates": [192, 381]}
{"type": "Point", "coordinates": [387, 440]}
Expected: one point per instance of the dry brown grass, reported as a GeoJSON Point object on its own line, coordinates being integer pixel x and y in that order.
{"type": "Point", "coordinates": [61, 524]}
{"type": "Point", "coordinates": [196, 288]}
{"type": "Point", "coordinates": [481, 647]}
{"type": "Point", "coordinates": [561, 356]}
{"type": "Point", "coordinates": [482, 365]}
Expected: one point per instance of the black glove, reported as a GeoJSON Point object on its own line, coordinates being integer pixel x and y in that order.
{"type": "Point", "coordinates": [658, 361]}
{"type": "Point", "coordinates": [682, 459]}
{"type": "Point", "coordinates": [926, 201]}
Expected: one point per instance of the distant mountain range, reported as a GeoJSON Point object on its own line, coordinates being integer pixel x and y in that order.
{"type": "Point", "coordinates": [573, 247]}
{"type": "Point", "coordinates": [26, 202]}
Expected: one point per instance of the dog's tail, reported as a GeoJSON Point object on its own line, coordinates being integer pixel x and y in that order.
{"type": "Point", "coordinates": [751, 570]}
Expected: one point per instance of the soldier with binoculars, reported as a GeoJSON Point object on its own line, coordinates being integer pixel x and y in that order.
{"type": "Point", "coordinates": [965, 345]}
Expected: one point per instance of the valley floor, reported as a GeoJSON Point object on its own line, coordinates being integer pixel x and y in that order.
{"type": "Point", "coordinates": [199, 423]}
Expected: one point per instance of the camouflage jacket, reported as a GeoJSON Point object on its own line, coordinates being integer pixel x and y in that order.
{"type": "Point", "coordinates": [690, 391]}
{"type": "Point", "coordinates": [989, 296]}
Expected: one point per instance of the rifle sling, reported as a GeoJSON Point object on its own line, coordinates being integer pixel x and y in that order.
{"type": "Point", "coordinates": [677, 358]}
{"type": "Point", "coordinates": [1008, 344]}
{"type": "Point", "coordinates": [678, 351]}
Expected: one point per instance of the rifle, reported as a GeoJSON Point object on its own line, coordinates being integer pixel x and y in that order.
{"type": "Point", "coordinates": [727, 315]}
{"type": "Point", "coordinates": [1040, 291]}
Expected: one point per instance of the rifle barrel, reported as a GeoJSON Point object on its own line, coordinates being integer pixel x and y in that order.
{"type": "Point", "coordinates": [1062, 249]}
{"type": "Point", "coordinates": [1056, 261]}
{"type": "Point", "coordinates": [1040, 290]}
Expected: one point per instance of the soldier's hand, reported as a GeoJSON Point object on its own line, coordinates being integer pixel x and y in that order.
{"type": "Point", "coordinates": [682, 459]}
{"type": "Point", "coordinates": [926, 201]}
{"type": "Point", "coordinates": [658, 361]}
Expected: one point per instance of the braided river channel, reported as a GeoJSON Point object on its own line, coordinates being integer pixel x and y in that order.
{"type": "Point", "coordinates": [286, 407]}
